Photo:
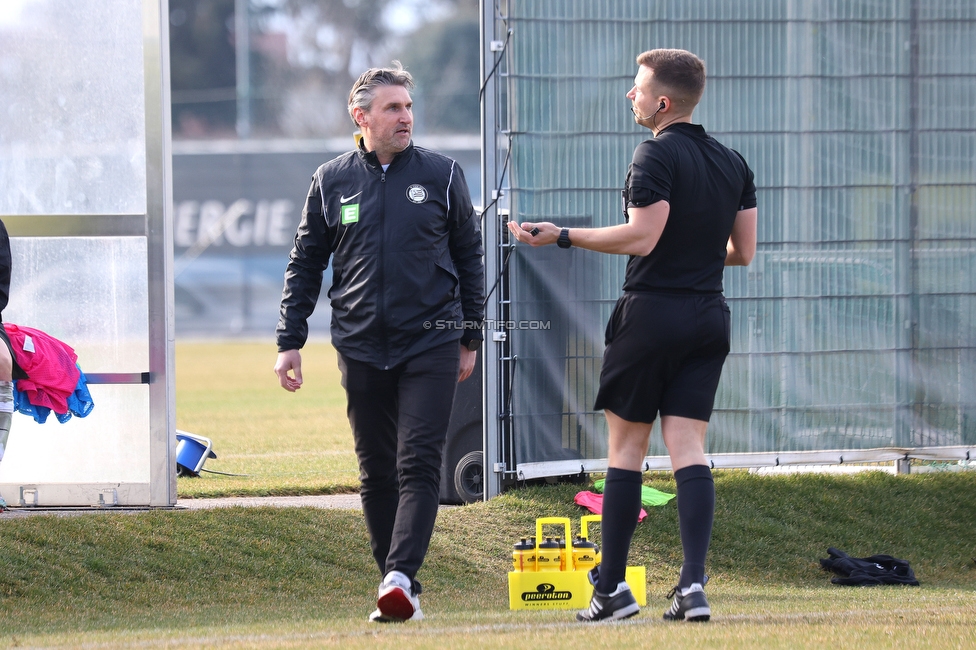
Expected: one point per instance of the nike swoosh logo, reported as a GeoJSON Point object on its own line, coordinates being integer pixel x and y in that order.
{"type": "Point", "coordinates": [346, 199]}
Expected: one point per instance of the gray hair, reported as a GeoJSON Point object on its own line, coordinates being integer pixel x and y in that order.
{"type": "Point", "coordinates": [364, 90]}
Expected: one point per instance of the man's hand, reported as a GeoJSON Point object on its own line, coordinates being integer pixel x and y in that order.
{"type": "Point", "coordinates": [545, 233]}
{"type": "Point", "coordinates": [468, 358]}
{"type": "Point", "coordinates": [288, 361]}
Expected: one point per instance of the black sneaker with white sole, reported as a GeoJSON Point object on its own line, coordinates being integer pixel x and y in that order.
{"type": "Point", "coordinates": [688, 605]}
{"type": "Point", "coordinates": [619, 605]}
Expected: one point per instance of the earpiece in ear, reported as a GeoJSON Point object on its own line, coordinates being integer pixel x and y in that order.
{"type": "Point", "coordinates": [661, 106]}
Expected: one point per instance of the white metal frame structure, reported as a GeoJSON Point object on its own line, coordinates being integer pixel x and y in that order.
{"type": "Point", "coordinates": [93, 250]}
{"type": "Point", "coordinates": [497, 350]}
{"type": "Point", "coordinates": [853, 336]}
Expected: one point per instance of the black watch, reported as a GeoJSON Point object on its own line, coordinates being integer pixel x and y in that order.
{"type": "Point", "coordinates": [563, 241]}
{"type": "Point", "coordinates": [472, 345]}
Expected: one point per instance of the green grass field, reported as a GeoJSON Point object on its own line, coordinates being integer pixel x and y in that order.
{"type": "Point", "coordinates": [304, 578]}
{"type": "Point", "coordinates": [285, 443]}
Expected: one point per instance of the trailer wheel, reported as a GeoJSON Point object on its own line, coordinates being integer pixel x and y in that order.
{"type": "Point", "coordinates": [469, 477]}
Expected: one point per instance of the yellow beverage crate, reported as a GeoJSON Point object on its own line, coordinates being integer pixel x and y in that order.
{"type": "Point", "coordinates": [562, 587]}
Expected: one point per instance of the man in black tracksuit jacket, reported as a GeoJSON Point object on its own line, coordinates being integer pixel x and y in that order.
{"type": "Point", "coordinates": [407, 301]}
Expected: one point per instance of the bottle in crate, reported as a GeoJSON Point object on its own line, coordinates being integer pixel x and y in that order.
{"type": "Point", "coordinates": [523, 555]}
{"type": "Point", "coordinates": [585, 533]}
{"type": "Point", "coordinates": [584, 554]}
{"type": "Point", "coordinates": [548, 555]}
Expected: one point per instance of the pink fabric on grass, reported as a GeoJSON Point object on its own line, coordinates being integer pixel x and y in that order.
{"type": "Point", "coordinates": [594, 503]}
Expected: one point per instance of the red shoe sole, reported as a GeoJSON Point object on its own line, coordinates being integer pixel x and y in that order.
{"type": "Point", "coordinates": [395, 604]}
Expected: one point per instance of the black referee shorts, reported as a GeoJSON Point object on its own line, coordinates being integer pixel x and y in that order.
{"type": "Point", "coordinates": [664, 355]}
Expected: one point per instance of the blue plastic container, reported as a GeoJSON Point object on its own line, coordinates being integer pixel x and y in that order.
{"type": "Point", "coordinates": [192, 452]}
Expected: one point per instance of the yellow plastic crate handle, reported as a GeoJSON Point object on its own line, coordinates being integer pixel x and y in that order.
{"type": "Point", "coordinates": [564, 521]}
{"type": "Point", "coordinates": [584, 524]}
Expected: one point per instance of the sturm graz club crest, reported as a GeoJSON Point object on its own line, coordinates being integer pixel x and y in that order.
{"type": "Point", "coordinates": [417, 193]}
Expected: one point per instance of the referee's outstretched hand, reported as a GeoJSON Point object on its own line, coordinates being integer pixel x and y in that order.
{"type": "Point", "coordinates": [534, 234]}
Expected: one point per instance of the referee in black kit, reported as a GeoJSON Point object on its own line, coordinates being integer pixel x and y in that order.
{"type": "Point", "coordinates": [689, 210]}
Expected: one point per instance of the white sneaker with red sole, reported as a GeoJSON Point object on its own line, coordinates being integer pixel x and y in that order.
{"type": "Point", "coordinates": [396, 602]}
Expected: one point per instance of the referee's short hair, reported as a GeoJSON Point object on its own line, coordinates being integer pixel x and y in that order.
{"type": "Point", "coordinates": [363, 91]}
{"type": "Point", "coordinates": [679, 72]}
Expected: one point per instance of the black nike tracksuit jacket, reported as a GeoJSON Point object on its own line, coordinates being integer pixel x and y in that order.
{"type": "Point", "coordinates": [407, 257]}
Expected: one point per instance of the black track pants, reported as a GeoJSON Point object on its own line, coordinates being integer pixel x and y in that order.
{"type": "Point", "coordinates": [399, 419]}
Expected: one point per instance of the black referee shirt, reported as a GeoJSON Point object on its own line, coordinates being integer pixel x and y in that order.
{"type": "Point", "coordinates": [706, 184]}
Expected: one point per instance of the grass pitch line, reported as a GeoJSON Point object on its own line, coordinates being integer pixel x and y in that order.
{"type": "Point", "coordinates": [288, 454]}
{"type": "Point", "coordinates": [327, 501]}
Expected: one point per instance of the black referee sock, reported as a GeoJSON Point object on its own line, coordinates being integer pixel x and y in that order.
{"type": "Point", "coordinates": [696, 511]}
{"type": "Point", "coordinates": [621, 507]}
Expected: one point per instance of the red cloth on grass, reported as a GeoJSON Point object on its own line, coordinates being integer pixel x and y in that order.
{"type": "Point", "coordinates": [594, 503]}
{"type": "Point", "coordinates": [52, 367]}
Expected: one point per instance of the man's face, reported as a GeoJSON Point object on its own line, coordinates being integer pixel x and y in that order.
{"type": "Point", "coordinates": [641, 96]}
{"type": "Point", "coordinates": [388, 125]}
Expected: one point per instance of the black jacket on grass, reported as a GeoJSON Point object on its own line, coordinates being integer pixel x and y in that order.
{"type": "Point", "coordinates": [868, 571]}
